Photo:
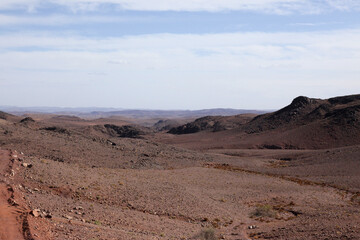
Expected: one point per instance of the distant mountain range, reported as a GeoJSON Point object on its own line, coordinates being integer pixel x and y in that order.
{"type": "Point", "coordinates": [94, 112]}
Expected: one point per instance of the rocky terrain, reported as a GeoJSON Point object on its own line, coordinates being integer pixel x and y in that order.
{"type": "Point", "coordinates": [213, 123]}
{"type": "Point", "coordinates": [291, 174]}
{"type": "Point", "coordinates": [304, 124]}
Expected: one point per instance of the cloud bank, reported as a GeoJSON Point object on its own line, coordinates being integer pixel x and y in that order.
{"type": "Point", "coordinates": [219, 70]}
{"type": "Point", "coordinates": [268, 6]}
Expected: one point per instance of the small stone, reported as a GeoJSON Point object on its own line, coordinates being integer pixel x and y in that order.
{"type": "Point", "coordinates": [28, 165]}
{"type": "Point", "coordinates": [36, 212]}
{"type": "Point", "coordinates": [68, 217]}
{"type": "Point", "coordinates": [13, 202]}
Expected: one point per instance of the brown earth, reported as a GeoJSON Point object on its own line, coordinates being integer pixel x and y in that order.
{"type": "Point", "coordinates": [88, 182]}
{"type": "Point", "coordinates": [15, 221]}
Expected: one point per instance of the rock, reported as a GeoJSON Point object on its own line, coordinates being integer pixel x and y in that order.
{"type": "Point", "coordinates": [36, 212]}
{"type": "Point", "coordinates": [12, 202]}
{"type": "Point", "coordinates": [78, 208]}
{"type": "Point", "coordinates": [27, 165]}
{"type": "Point", "coordinates": [68, 217]}
{"type": "Point", "coordinates": [252, 227]}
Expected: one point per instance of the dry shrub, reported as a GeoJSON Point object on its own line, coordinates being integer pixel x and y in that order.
{"type": "Point", "coordinates": [263, 211]}
{"type": "Point", "coordinates": [206, 234]}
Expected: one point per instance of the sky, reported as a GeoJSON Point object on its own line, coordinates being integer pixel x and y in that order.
{"type": "Point", "coordinates": [170, 54]}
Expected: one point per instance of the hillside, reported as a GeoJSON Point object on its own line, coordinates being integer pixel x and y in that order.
{"type": "Point", "coordinates": [213, 123]}
{"type": "Point", "coordinates": [303, 111]}
{"type": "Point", "coordinates": [306, 123]}
{"type": "Point", "coordinates": [8, 117]}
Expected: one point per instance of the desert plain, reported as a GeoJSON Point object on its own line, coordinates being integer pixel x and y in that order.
{"type": "Point", "coordinates": [288, 174]}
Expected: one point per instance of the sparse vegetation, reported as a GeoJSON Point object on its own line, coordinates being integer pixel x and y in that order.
{"type": "Point", "coordinates": [97, 222]}
{"type": "Point", "coordinates": [206, 234]}
{"type": "Point", "coordinates": [263, 211]}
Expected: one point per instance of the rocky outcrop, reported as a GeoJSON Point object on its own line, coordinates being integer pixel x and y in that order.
{"type": "Point", "coordinates": [123, 131]}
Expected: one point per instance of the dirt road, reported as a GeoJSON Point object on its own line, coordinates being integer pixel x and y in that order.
{"type": "Point", "coordinates": [13, 219]}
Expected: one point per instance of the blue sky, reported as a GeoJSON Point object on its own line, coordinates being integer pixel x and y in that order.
{"type": "Point", "coordinates": [157, 54]}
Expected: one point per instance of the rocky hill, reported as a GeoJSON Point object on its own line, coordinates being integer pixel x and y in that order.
{"type": "Point", "coordinates": [333, 112]}
{"type": "Point", "coordinates": [306, 123]}
{"type": "Point", "coordinates": [212, 123]}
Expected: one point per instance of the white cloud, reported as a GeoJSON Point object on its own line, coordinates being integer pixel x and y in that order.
{"type": "Point", "coordinates": [344, 5]}
{"type": "Point", "coordinates": [141, 70]}
{"type": "Point", "coordinates": [270, 6]}
{"type": "Point", "coordinates": [54, 20]}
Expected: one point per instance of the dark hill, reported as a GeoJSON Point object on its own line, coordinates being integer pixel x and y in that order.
{"type": "Point", "coordinates": [167, 124]}
{"type": "Point", "coordinates": [310, 123]}
{"type": "Point", "coordinates": [303, 111]}
{"type": "Point", "coordinates": [27, 120]}
{"type": "Point", "coordinates": [213, 123]}
{"type": "Point", "coordinates": [306, 123]}
{"type": "Point", "coordinates": [293, 114]}
{"type": "Point", "coordinates": [123, 131]}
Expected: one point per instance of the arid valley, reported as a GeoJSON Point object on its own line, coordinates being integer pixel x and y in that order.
{"type": "Point", "coordinates": [288, 174]}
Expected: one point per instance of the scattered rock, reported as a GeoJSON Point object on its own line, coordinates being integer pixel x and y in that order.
{"type": "Point", "coordinates": [27, 165]}
{"type": "Point", "coordinates": [46, 214]}
{"type": "Point", "coordinates": [12, 202]}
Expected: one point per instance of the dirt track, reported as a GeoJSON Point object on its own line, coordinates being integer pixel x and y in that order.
{"type": "Point", "coordinates": [11, 216]}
